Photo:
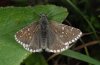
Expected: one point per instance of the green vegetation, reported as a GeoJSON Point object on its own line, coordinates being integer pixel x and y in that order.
{"type": "Point", "coordinates": [80, 14]}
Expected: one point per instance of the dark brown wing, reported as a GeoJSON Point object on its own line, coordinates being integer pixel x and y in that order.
{"type": "Point", "coordinates": [29, 37]}
{"type": "Point", "coordinates": [60, 37]}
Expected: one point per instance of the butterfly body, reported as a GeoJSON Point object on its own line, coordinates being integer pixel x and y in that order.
{"type": "Point", "coordinates": [43, 23]}
{"type": "Point", "coordinates": [49, 35]}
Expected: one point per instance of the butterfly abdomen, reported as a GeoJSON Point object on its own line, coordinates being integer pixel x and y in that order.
{"type": "Point", "coordinates": [43, 31]}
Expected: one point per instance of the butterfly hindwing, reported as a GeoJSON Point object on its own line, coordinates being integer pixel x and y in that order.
{"type": "Point", "coordinates": [28, 37]}
{"type": "Point", "coordinates": [60, 36]}
{"type": "Point", "coordinates": [48, 35]}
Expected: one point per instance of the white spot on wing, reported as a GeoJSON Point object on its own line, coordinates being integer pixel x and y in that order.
{"type": "Point", "coordinates": [62, 32]}
{"type": "Point", "coordinates": [63, 28]}
{"type": "Point", "coordinates": [28, 29]}
{"type": "Point", "coordinates": [72, 29]}
{"type": "Point", "coordinates": [66, 43]}
{"type": "Point", "coordinates": [31, 50]}
{"type": "Point", "coordinates": [67, 47]}
{"type": "Point", "coordinates": [73, 40]}
{"type": "Point", "coordinates": [62, 49]}
{"type": "Point", "coordinates": [58, 50]}
{"type": "Point", "coordinates": [69, 42]}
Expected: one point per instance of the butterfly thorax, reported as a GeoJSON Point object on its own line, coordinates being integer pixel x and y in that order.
{"type": "Point", "coordinates": [43, 30]}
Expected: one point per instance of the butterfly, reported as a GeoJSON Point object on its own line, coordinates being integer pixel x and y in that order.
{"type": "Point", "coordinates": [49, 35]}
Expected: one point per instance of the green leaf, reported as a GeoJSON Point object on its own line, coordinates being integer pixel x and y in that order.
{"type": "Point", "coordinates": [10, 52]}
{"type": "Point", "coordinates": [13, 19]}
{"type": "Point", "coordinates": [53, 12]}
{"type": "Point", "coordinates": [35, 59]}
{"type": "Point", "coordinates": [80, 56]}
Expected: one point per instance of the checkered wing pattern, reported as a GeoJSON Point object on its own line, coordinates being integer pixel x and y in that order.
{"type": "Point", "coordinates": [60, 37]}
{"type": "Point", "coordinates": [28, 37]}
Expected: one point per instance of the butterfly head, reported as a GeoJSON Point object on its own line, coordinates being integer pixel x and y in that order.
{"type": "Point", "coordinates": [43, 19]}
{"type": "Point", "coordinates": [43, 16]}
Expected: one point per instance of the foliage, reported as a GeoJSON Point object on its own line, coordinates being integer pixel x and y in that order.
{"type": "Point", "coordinates": [82, 14]}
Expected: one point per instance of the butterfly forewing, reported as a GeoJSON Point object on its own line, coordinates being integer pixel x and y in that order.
{"type": "Point", "coordinates": [29, 37]}
{"type": "Point", "coordinates": [60, 36]}
{"type": "Point", "coordinates": [51, 36]}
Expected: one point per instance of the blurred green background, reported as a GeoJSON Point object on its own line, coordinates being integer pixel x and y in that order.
{"type": "Point", "coordinates": [83, 14]}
